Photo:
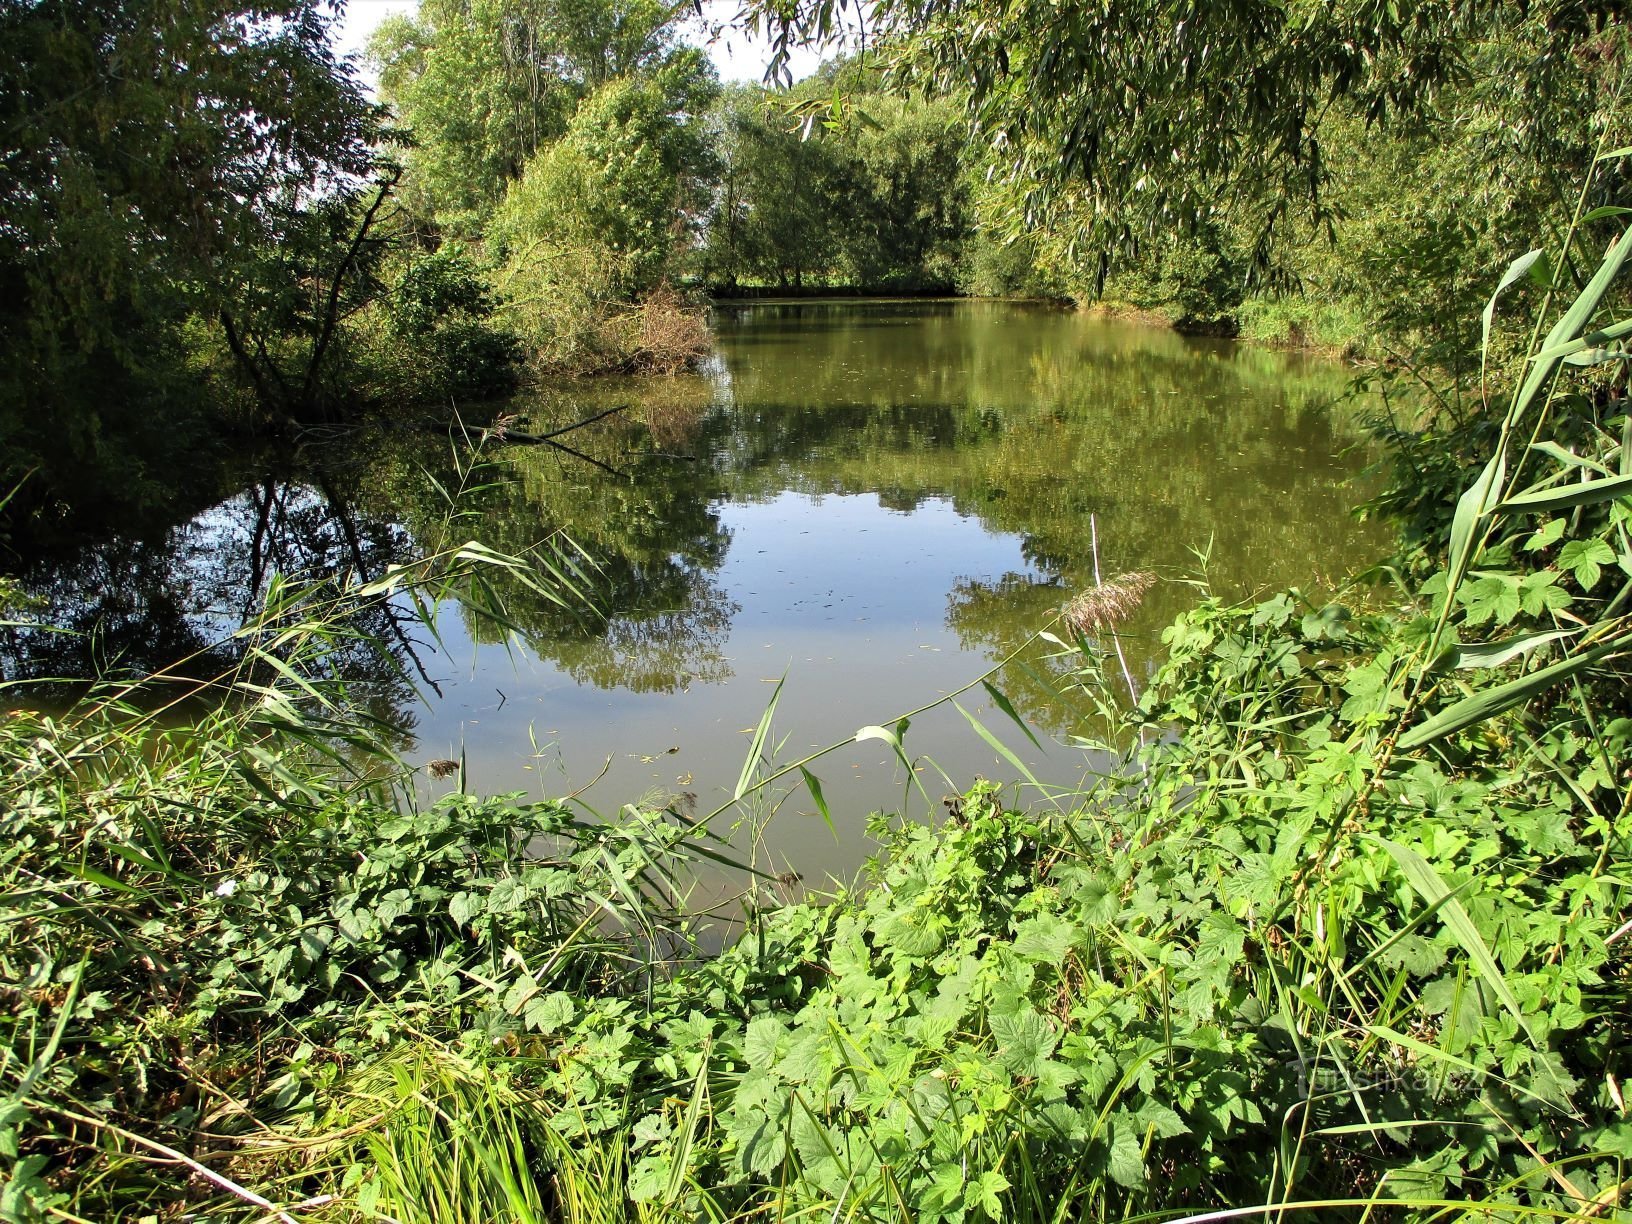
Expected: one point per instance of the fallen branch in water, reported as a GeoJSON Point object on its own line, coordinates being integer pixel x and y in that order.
{"type": "Point", "coordinates": [499, 433]}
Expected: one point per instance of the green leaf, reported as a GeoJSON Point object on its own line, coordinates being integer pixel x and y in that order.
{"type": "Point", "coordinates": [998, 746]}
{"type": "Point", "coordinates": [1004, 704]}
{"type": "Point", "coordinates": [1515, 271]}
{"type": "Point", "coordinates": [1494, 654]}
{"type": "Point", "coordinates": [1493, 701]}
{"type": "Point", "coordinates": [1568, 458]}
{"type": "Point", "coordinates": [879, 733]}
{"type": "Point", "coordinates": [1567, 331]}
{"type": "Point", "coordinates": [1471, 507]}
{"type": "Point", "coordinates": [1584, 559]}
{"type": "Point", "coordinates": [549, 1013]}
{"type": "Point", "coordinates": [1045, 939]}
{"type": "Point", "coordinates": [1025, 1041]}
{"type": "Point", "coordinates": [759, 1045]}
{"type": "Point", "coordinates": [988, 1193]}
{"type": "Point", "coordinates": [815, 788]}
{"type": "Point", "coordinates": [1154, 1116]}
{"type": "Point", "coordinates": [1434, 890]}
{"type": "Point", "coordinates": [1565, 497]}
{"type": "Point", "coordinates": [751, 763]}
{"type": "Point", "coordinates": [1494, 597]}
{"type": "Point", "coordinates": [1546, 535]}
{"type": "Point", "coordinates": [1125, 1159]}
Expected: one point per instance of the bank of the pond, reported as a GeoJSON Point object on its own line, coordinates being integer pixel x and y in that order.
{"type": "Point", "coordinates": [237, 979]}
{"type": "Point", "coordinates": [1347, 932]}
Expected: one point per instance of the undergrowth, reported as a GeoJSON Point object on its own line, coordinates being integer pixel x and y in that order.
{"type": "Point", "coordinates": [1347, 933]}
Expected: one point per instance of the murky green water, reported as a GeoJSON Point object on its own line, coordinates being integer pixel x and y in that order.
{"type": "Point", "coordinates": [871, 503]}
{"type": "Point", "coordinates": [877, 502]}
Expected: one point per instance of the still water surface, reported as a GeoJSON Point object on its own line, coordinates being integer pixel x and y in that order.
{"type": "Point", "coordinates": [868, 502]}
{"type": "Point", "coordinates": [878, 502]}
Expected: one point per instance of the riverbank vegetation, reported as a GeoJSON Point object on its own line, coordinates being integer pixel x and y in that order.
{"type": "Point", "coordinates": [1346, 929]}
{"type": "Point", "coordinates": [1346, 932]}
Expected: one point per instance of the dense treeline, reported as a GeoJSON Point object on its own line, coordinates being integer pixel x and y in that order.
{"type": "Point", "coordinates": [548, 186]}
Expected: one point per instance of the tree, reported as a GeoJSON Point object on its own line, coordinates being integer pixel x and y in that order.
{"type": "Point", "coordinates": [152, 149]}
{"type": "Point", "coordinates": [597, 219]}
{"type": "Point", "coordinates": [1119, 123]}
{"type": "Point", "coordinates": [911, 205]}
{"type": "Point", "coordinates": [486, 85]}
{"type": "Point", "coordinates": [781, 200]}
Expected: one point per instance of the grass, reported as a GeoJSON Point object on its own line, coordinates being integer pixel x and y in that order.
{"type": "Point", "coordinates": [1349, 936]}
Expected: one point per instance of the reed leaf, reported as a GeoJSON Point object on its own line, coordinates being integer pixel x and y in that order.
{"type": "Point", "coordinates": [1435, 891]}
{"type": "Point", "coordinates": [1567, 497]}
{"type": "Point", "coordinates": [1490, 702]}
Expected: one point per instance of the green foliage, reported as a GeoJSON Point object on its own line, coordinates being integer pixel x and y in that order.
{"type": "Point", "coordinates": [611, 187]}
{"type": "Point", "coordinates": [441, 308]}
{"type": "Point", "coordinates": [205, 921]}
{"type": "Point", "coordinates": [138, 198]}
{"type": "Point", "coordinates": [874, 198]}
{"type": "Point", "coordinates": [486, 87]}
{"type": "Point", "coordinates": [1344, 930]}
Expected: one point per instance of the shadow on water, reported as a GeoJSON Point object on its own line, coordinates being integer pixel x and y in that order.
{"type": "Point", "coordinates": [870, 502]}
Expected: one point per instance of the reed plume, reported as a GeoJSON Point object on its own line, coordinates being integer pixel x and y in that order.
{"type": "Point", "coordinates": [1107, 605]}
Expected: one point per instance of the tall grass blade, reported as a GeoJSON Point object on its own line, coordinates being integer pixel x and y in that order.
{"type": "Point", "coordinates": [1490, 702]}
{"type": "Point", "coordinates": [1571, 324]}
{"type": "Point", "coordinates": [1586, 493]}
{"type": "Point", "coordinates": [998, 746]}
{"type": "Point", "coordinates": [1397, 1038]}
{"type": "Point", "coordinates": [1426, 881]}
{"type": "Point", "coordinates": [1471, 508]}
{"type": "Point", "coordinates": [758, 746]}
{"type": "Point", "coordinates": [1007, 706]}
{"type": "Point", "coordinates": [1515, 270]}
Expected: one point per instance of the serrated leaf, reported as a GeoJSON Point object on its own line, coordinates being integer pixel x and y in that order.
{"type": "Point", "coordinates": [549, 1013]}
{"type": "Point", "coordinates": [759, 1044]}
{"type": "Point", "coordinates": [1124, 1157]}
{"type": "Point", "coordinates": [1435, 891]}
{"type": "Point", "coordinates": [1025, 1041]}
{"type": "Point", "coordinates": [1158, 1117]}
{"type": "Point", "coordinates": [1585, 559]}
{"type": "Point", "coordinates": [1045, 939]}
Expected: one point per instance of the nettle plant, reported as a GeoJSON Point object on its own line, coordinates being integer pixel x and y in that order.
{"type": "Point", "coordinates": [1350, 932]}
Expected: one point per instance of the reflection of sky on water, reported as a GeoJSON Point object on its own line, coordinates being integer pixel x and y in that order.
{"type": "Point", "coordinates": [844, 597]}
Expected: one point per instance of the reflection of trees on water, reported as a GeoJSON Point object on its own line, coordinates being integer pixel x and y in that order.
{"type": "Point", "coordinates": [139, 606]}
{"type": "Point", "coordinates": [1028, 420]}
{"type": "Point", "coordinates": [654, 533]}
{"type": "Point", "coordinates": [1031, 421]}
{"type": "Point", "coordinates": [174, 603]}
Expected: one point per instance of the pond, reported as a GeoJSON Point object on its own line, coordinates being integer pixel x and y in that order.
{"type": "Point", "coordinates": [858, 507]}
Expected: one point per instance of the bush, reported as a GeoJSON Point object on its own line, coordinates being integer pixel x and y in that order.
{"type": "Point", "coordinates": [439, 342]}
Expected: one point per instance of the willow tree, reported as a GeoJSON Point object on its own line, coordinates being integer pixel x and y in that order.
{"type": "Point", "coordinates": [153, 152]}
{"type": "Point", "coordinates": [1119, 123]}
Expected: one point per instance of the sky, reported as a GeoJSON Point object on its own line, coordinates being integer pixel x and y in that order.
{"type": "Point", "coordinates": [735, 56]}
